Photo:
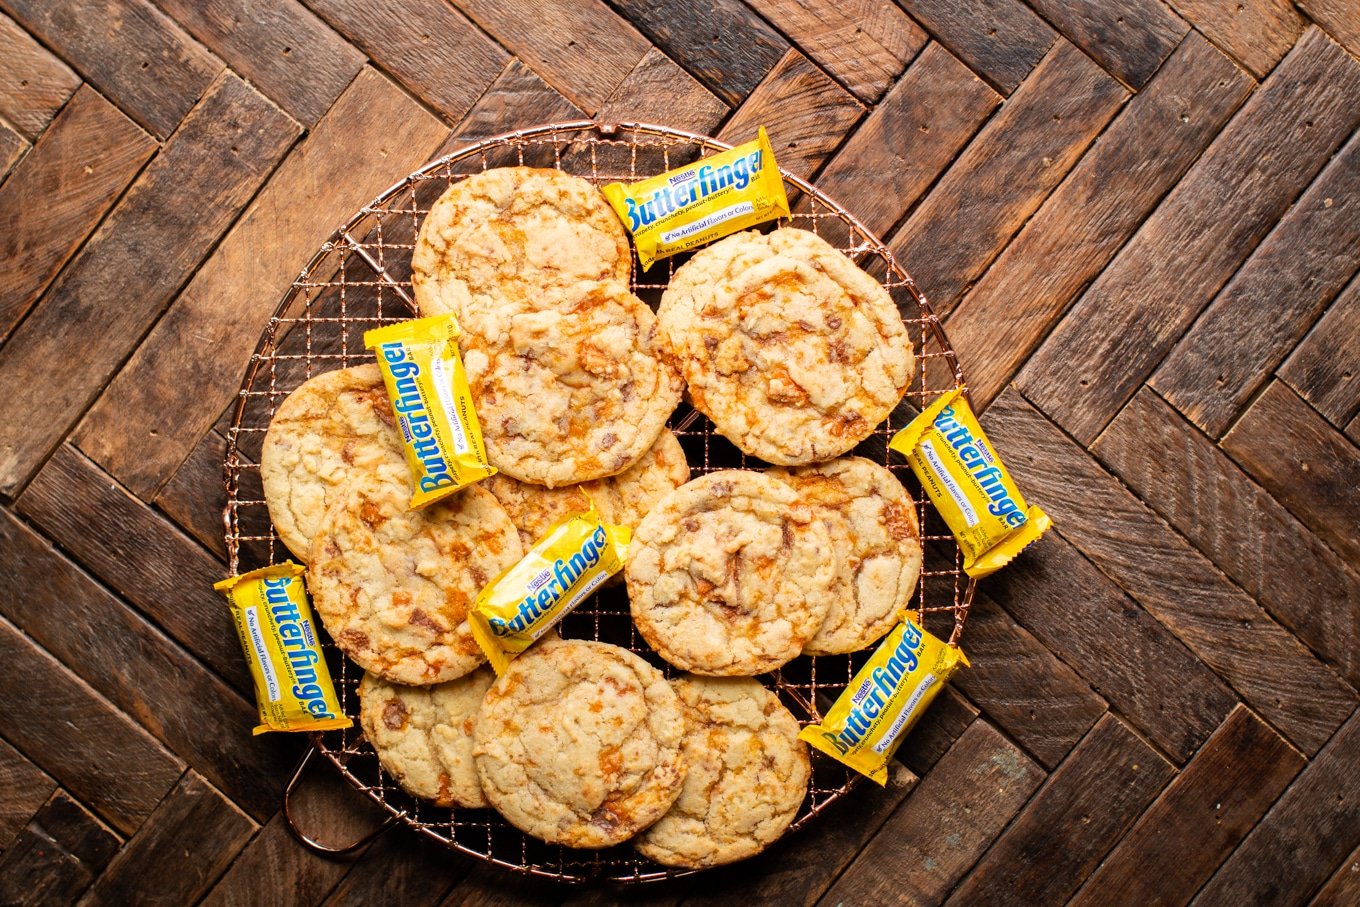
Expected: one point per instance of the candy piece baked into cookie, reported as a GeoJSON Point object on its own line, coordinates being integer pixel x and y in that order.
{"type": "Point", "coordinates": [571, 392]}
{"type": "Point", "coordinates": [423, 735]}
{"type": "Point", "coordinates": [747, 774]}
{"type": "Point", "coordinates": [510, 235]}
{"type": "Point", "coordinates": [333, 426]}
{"type": "Point", "coordinates": [578, 743]}
{"type": "Point", "coordinates": [393, 586]}
{"type": "Point", "coordinates": [794, 352]}
{"type": "Point", "coordinates": [730, 575]}
{"type": "Point", "coordinates": [877, 543]}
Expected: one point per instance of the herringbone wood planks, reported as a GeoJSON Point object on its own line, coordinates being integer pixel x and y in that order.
{"type": "Point", "coordinates": [1141, 212]}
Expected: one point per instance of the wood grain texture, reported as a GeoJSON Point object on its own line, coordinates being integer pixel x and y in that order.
{"type": "Point", "coordinates": [1118, 332]}
{"type": "Point", "coordinates": [284, 50]}
{"type": "Point", "coordinates": [1102, 788]}
{"type": "Point", "coordinates": [1227, 355]}
{"type": "Point", "coordinates": [23, 789]}
{"type": "Point", "coordinates": [1005, 174]}
{"type": "Point", "coordinates": [909, 139]}
{"type": "Point", "coordinates": [864, 44]}
{"type": "Point", "coordinates": [148, 419]}
{"type": "Point", "coordinates": [193, 818]}
{"type": "Point", "coordinates": [1305, 463]}
{"type": "Point", "coordinates": [1093, 212]}
{"type": "Point", "coordinates": [805, 113]}
{"type": "Point", "coordinates": [61, 191]}
{"type": "Point", "coordinates": [580, 47]}
{"type": "Point", "coordinates": [154, 239]}
{"type": "Point", "coordinates": [1245, 531]}
{"type": "Point", "coordinates": [195, 496]}
{"type": "Point", "coordinates": [949, 716]}
{"type": "Point", "coordinates": [84, 743]}
{"type": "Point", "coordinates": [657, 83]}
{"type": "Point", "coordinates": [400, 860]}
{"type": "Point", "coordinates": [1306, 834]}
{"type": "Point", "coordinates": [1130, 40]}
{"type": "Point", "coordinates": [1000, 40]}
{"type": "Point", "coordinates": [1257, 33]}
{"type": "Point", "coordinates": [517, 98]}
{"type": "Point", "coordinates": [1323, 367]}
{"type": "Point", "coordinates": [12, 148]}
{"type": "Point", "coordinates": [426, 45]}
{"type": "Point", "coordinates": [724, 43]}
{"type": "Point", "coordinates": [131, 51]}
{"type": "Point", "coordinates": [34, 83]}
{"type": "Point", "coordinates": [1340, 18]}
{"type": "Point", "coordinates": [56, 856]}
{"type": "Point", "coordinates": [1343, 888]}
{"type": "Point", "coordinates": [1177, 584]}
{"type": "Point", "coordinates": [932, 839]}
{"type": "Point", "coordinates": [1203, 814]}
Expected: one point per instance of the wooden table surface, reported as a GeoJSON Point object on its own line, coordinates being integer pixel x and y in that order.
{"type": "Point", "coordinates": [1140, 222]}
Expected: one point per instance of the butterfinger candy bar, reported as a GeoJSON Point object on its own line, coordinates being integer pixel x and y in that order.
{"type": "Point", "coordinates": [292, 683]}
{"type": "Point", "coordinates": [433, 405]}
{"type": "Point", "coordinates": [570, 561]}
{"type": "Point", "coordinates": [866, 724]}
{"type": "Point", "coordinates": [969, 485]}
{"type": "Point", "coordinates": [700, 202]}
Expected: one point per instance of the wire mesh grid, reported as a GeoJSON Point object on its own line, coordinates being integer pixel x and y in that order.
{"type": "Point", "coordinates": [360, 279]}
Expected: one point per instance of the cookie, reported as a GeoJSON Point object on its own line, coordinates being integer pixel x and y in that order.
{"type": "Point", "coordinates": [791, 350]}
{"type": "Point", "coordinates": [393, 586]}
{"type": "Point", "coordinates": [516, 235]}
{"type": "Point", "coordinates": [332, 426]}
{"type": "Point", "coordinates": [423, 735]}
{"type": "Point", "coordinates": [569, 393]}
{"type": "Point", "coordinates": [877, 546]}
{"type": "Point", "coordinates": [730, 575]}
{"type": "Point", "coordinates": [578, 743]}
{"type": "Point", "coordinates": [747, 775]}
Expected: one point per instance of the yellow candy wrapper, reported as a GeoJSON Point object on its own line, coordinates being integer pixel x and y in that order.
{"type": "Point", "coordinates": [700, 202]}
{"type": "Point", "coordinates": [969, 485]}
{"type": "Point", "coordinates": [572, 560]}
{"type": "Point", "coordinates": [292, 683]}
{"type": "Point", "coordinates": [866, 724]}
{"type": "Point", "coordinates": [430, 398]}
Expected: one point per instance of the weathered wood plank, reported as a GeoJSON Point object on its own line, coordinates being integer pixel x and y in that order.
{"type": "Point", "coordinates": [1199, 819]}
{"type": "Point", "coordinates": [1303, 838]}
{"type": "Point", "coordinates": [1129, 39]}
{"type": "Point", "coordinates": [948, 717]}
{"type": "Point", "coordinates": [12, 148]}
{"type": "Point", "coordinates": [195, 496]}
{"type": "Point", "coordinates": [1023, 687]}
{"type": "Point", "coordinates": [488, 886]}
{"type": "Point", "coordinates": [1343, 888]}
{"type": "Point", "coordinates": [1322, 368]}
{"type": "Point", "coordinates": [182, 376]}
{"type": "Point", "coordinates": [1122, 327]}
{"type": "Point", "coordinates": [582, 48]}
{"type": "Point", "coordinates": [142, 672]}
{"type": "Point", "coordinates": [1006, 173]}
{"type": "Point", "coordinates": [1101, 789]}
{"type": "Point", "coordinates": [909, 139]}
{"type": "Point", "coordinates": [1341, 19]}
{"type": "Point", "coordinates": [1093, 212]}
{"type": "Point", "coordinates": [1001, 40]}
{"type": "Point", "coordinates": [56, 856]}
{"type": "Point", "coordinates": [154, 238]}
{"type": "Point", "coordinates": [285, 51]}
{"type": "Point", "coordinates": [1229, 352]}
{"type": "Point", "coordinates": [804, 111]}
{"type": "Point", "coordinates": [1177, 584]}
{"type": "Point", "coordinates": [656, 84]}
{"type": "Point", "coordinates": [34, 83]}
{"type": "Point", "coordinates": [133, 53]}
{"type": "Point", "coordinates": [946, 824]}
{"type": "Point", "coordinates": [517, 98]}
{"type": "Point", "coordinates": [400, 861]}
{"type": "Point", "coordinates": [723, 43]}
{"type": "Point", "coordinates": [1245, 531]}
{"type": "Point", "coordinates": [1305, 463]}
{"type": "Point", "coordinates": [425, 44]}
{"type": "Point", "coordinates": [864, 44]}
{"type": "Point", "coordinates": [23, 789]}
{"type": "Point", "coordinates": [1257, 33]}
{"type": "Point", "coordinates": [89, 747]}
{"type": "Point", "coordinates": [61, 191]}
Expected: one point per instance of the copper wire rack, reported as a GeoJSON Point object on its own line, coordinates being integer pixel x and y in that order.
{"type": "Point", "coordinates": [360, 278]}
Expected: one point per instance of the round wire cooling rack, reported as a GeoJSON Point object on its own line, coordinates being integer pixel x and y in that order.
{"type": "Point", "coordinates": [360, 279]}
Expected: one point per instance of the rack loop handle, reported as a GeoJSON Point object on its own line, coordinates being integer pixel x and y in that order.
{"type": "Point", "coordinates": [306, 840]}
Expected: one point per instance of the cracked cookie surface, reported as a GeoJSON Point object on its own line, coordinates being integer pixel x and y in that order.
{"type": "Point", "coordinates": [747, 775]}
{"type": "Point", "coordinates": [730, 574]}
{"type": "Point", "coordinates": [578, 743]}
